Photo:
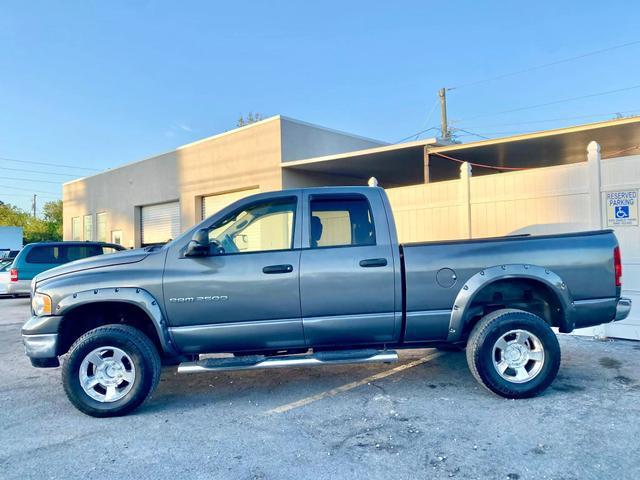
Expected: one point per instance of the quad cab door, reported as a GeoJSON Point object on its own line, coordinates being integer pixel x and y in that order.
{"type": "Point", "coordinates": [347, 274]}
{"type": "Point", "coordinates": [243, 294]}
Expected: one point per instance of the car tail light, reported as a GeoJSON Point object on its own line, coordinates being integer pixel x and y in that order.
{"type": "Point", "coordinates": [13, 274]}
{"type": "Point", "coordinates": [617, 266]}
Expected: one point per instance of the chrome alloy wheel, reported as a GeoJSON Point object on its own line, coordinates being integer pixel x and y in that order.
{"type": "Point", "coordinates": [107, 374]}
{"type": "Point", "coordinates": [518, 356]}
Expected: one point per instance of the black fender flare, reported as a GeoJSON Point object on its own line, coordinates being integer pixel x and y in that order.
{"type": "Point", "coordinates": [471, 288]}
{"type": "Point", "coordinates": [132, 295]}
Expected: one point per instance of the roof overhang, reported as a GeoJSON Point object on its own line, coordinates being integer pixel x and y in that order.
{"type": "Point", "coordinates": [539, 149]}
{"type": "Point", "coordinates": [392, 165]}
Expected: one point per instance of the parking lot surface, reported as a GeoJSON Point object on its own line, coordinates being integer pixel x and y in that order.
{"type": "Point", "coordinates": [424, 417]}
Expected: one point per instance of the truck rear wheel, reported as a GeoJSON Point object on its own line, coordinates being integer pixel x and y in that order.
{"type": "Point", "coordinates": [111, 370]}
{"type": "Point", "coordinates": [513, 353]}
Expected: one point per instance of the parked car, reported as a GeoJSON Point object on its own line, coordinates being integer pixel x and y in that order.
{"type": "Point", "coordinates": [38, 257]}
{"type": "Point", "coordinates": [317, 277]}
{"type": "Point", "coordinates": [5, 265]}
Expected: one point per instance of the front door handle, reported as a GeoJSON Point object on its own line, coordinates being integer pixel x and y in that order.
{"type": "Point", "coordinates": [373, 262]}
{"type": "Point", "coordinates": [278, 269]}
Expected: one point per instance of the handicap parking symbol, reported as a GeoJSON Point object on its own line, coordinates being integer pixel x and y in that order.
{"type": "Point", "coordinates": [622, 211]}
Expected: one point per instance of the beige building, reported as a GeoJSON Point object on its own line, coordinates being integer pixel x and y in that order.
{"type": "Point", "coordinates": [152, 200]}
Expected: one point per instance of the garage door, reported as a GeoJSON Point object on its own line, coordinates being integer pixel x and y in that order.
{"type": "Point", "coordinates": [160, 223]}
{"type": "Point", "coordinates": [214, 203]}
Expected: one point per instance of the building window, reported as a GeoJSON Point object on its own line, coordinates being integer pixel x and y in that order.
{"type": "Point", "coordinates": [75, 229]}
{"type": "Point", "coordinates": [101, 224]}
{"type": "Point", "coordinates": [116, 237]}
{"type": "Point", "coordinates": [88, 227]}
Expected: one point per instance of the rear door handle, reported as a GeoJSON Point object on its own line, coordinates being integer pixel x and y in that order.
{"type": "Point", "coordinates": [373, 262]}
{"type": "Point", "coordinates": [286, 268]}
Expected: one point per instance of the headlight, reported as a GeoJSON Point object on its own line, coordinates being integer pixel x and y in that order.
{"type": "Point", "coordinates": [41, 304]}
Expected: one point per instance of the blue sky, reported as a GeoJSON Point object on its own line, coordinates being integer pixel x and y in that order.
{"type": "Point", "coordinates": [94, 84]}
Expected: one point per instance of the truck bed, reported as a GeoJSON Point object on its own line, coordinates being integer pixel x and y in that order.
{"type": "Point", "coordinates": [435, 273]}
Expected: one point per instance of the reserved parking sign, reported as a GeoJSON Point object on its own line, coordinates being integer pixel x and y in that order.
{"type": "Point", "coordinates": [622, 208]}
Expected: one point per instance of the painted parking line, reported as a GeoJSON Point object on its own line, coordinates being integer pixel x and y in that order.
{"type": "Point", "coordinates": [350, 386]}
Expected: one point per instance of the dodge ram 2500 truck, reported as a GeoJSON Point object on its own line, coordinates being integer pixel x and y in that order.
{"type": "Point", "coordinates": [316, 277]}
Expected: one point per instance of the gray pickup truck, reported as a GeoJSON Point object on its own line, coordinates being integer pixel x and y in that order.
{"type": "Point", "coordinates": [316, 277]}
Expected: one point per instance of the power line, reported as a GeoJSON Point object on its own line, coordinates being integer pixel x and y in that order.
{"type": "Point", "coordinates": [25, 195]}
{"type": "Point", "coordinates": [11, 187]}
{"type": "Point", "coordinates": [624, 150]}
{"type": "Point", "coordinates": [416, 134]}
{"type": "Point", "coordinates": [2, 177]}
{"type": "Point", "coordinates": [469, 133]}
{"type": "Point", "coordinates": [30, 171]}
{"type": "Point", "coordinates": [544, 65]}
{"type": "Point", "coordinates": [50, 164]}
{"type": "Point", "coordinates": [477, 164]}
{"type": "Point", "coordinates": [513, 124]}
{"type": "Point", "coordinates": [554, 102]}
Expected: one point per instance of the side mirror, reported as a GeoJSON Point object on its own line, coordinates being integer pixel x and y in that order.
{"type": "Point", "coordinates": [199, 244]}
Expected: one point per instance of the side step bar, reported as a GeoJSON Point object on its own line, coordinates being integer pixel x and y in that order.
{"type": "Point", "coordinates": [253, 362]}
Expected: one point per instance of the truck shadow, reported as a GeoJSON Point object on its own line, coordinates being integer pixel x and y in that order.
{"type": "Point", "coordinates": [446, 375]}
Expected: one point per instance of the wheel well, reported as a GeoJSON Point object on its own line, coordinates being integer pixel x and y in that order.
{"type": "Point", "coordinates": [86, 317]}
{"type": "Point", "coordinates": [524, 294]}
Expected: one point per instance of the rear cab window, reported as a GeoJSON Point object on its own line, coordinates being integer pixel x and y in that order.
{"type": "Point", "coordinates": [341, 221]}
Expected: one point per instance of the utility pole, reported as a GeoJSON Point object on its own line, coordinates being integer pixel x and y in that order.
{"type": "Point", "coordinates": [33, 205]}
{"type": "Point", "coordinates": [443, 114]}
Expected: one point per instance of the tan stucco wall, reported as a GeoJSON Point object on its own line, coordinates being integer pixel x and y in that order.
{"type": "Point", "coordinates": [241, 159]}
{"type": "Point", "coordinates": [244, 158]}
{"type": "Point", "coordinates": [301, 140]}
{"type": "Point", "coordinates": [118, 191]}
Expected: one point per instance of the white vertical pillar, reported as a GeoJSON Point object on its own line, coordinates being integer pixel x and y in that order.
{"type": "Point", "coordinates": [595, 185]}
{"type": "Point", "coordinates": [465, 199]}
{"type": "Point", "coordinates": [595, 205]}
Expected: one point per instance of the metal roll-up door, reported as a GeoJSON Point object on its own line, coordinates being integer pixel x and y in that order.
{"type": "Point", "coordinates": [214, 203]}
{"type": "Point", "coordinates": [160, 223]}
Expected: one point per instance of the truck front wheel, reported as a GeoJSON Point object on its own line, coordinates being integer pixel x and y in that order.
{"type": "Point", "coordinates": [513, 353]}
{"type": "Point", "coordinates": [111, 370]}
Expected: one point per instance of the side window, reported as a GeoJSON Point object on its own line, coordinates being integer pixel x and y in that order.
{"type": "Point", "coordinates": [259, 227]}
{"type": "Point", "coordinates": [101, 227]}
{"type": "Point", "coordinates": [45, 254]}
{"type": "Point", "coordinates": [75, 229]}
{"type": "Point", "coordinates": [81, 251]}
{"type": "Point", "coordinates": [339, 221]}
{"type": "Point", "coordinates": [88, 227]}
{"type": "Point", "coordinates": [106, 250]}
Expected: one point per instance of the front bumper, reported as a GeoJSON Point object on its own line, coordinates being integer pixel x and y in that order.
{"type": "Point", "coordinates": [44, 345]}
{"type": "Point", "coordinates": [623, 308]}
{"type": "Point", "coordinates": [40, 339]}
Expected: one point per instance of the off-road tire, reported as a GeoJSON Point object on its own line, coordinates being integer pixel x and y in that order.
{"type": "Point", "coordinates": [139, 348]}
{"type": "Point", "coordinates": [480, 352]}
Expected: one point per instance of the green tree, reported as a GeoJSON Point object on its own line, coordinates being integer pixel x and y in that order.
{"type": "Point", "coordinates": [251, 118]}
{"type": "Point", "coordinates": [48, 228]}
{"type": "Point", "coordinates": [52, 215]}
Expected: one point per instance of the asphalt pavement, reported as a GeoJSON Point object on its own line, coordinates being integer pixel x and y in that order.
{"type": "Point", "coordinates": [423, 417]}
